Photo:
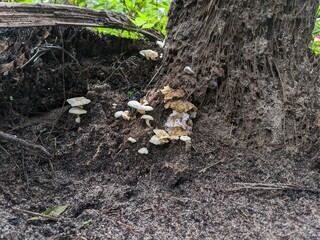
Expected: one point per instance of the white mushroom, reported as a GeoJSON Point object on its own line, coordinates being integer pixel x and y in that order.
{"type": "Point", "coordinates": [123, 114]}
{"type": "Point", "coordinates": [148, 118]}
{"type": "Point", "coordinates": [78, 101]}
{"type": "Point", "coordinates": [161, 44]}
{"type": "Point", "coordinates": [114, 105]}
{"type": "Point", "coordinates": [141, 108]}
{"type": "Point", "coordinates": [156, 141]}
{"type": "Point", "coordinates": [118, 114]}
{"type": "Point", "coordinates": [134, 104]}
{"type": "Point", "coordinates": [132, 140]}
{"type": "Point", "coordinates": [188, 70]}
{"type": "Point", "coordinates": [145, 109]}
{"type": "Point", "coordinates": [149, 54]}
{"type": "Point", "coordinates": [144, 102]}
{"type": "Point", "coordinates": [186, 139]}
{"type": "Point", "coordinates": [78, 111]}
{"type": "Point", "coordinates": [143, 150]}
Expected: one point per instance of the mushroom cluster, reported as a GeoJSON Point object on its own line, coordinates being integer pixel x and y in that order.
{"type": "Point", "coordinates": [77, 104]}
{"type": "Point", "coordinates": [142, 108]}
{"type": "Point", "coordinates": [178, 125]}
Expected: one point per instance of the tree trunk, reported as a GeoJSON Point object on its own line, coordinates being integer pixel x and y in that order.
{"type": "Point", "coordinates": [255, 79]}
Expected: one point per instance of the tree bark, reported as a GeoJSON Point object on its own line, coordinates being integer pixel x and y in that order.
{"type": "Point", "coordinates": [254, 73]}
{"type": "Point", "coordinates": [37, 15]}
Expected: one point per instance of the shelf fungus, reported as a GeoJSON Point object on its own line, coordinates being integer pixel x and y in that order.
{"type": "Point", "coordinates": [77, 104]}
{"type": "Point", "coordinates": [170, 93]}
{"type": "Point", "coordinates": [179, 123]}
{"type": "Point", "coordinates": [149, 54]}
{"type": "Point", "coordinates": [180, 106]}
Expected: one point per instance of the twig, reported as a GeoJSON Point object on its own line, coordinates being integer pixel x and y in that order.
{"type": "Point", "coordinates": [15, 139]}
{"type": "Point", "coordinates": [47, 217]}
{"type": "Point", "coordinates": [154, 76]}
{"type": "Point", "coordinates": [43, 50]}
{"type": "Point", "coordinates": [273, 186]}
{"type": "Point", "coordinates": [210, 166]}
{"type": "Point", "coordinates": [5, 151]}
{"type": "Point", "coordinates": [128, 227]}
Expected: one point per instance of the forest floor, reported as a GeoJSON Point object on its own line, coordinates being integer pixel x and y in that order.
{"type": "Point", "coordinates": [219, 192]}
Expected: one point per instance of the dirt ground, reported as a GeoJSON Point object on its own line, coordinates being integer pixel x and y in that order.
{"type": "Point", "coordinates": [215, 191]}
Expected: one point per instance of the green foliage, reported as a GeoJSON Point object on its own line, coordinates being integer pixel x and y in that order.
{"type": "Point", "coordinates": [315, 44]}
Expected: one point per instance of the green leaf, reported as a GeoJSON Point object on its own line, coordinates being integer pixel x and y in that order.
{"type": "Point", "coordinates": [147, 25]}
{"type": "Point", "coordinates": [316, 32]}
{"type": "Point", "coordinates": [129, 3]}
{"type": "Point", "coordinates": [139, 21]}
{"type": "Point", "coordinates": [54, 212]}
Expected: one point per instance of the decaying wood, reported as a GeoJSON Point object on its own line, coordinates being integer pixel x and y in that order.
{"type": "Point", "coordinates": [36, 15]}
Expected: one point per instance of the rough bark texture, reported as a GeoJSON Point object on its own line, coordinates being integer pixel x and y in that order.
{"type": "Point", "coordinates": [37, 15]}
{"type": "Point", "coordinates": [254, 72]}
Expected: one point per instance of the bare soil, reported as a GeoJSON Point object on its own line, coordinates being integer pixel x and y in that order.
{"type": "Point", "coordinates": [211, 191]}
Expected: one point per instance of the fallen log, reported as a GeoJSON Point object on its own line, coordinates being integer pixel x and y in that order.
{"type": "Point", "coordinates": [40, 15]}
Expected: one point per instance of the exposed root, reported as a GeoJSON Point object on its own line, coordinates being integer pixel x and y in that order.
{"type": "Point", "coordinates": [24, 143]}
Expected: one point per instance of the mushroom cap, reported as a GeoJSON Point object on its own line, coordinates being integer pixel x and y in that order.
{"type": "Point", "coordinates": [132, 140]}
{"type": "Point", "coordinates": [125, 115]}
{"type": "Point", "coordinates": [78, 101]}
{"type": "Point", "coordinates": [134, 104]}
{"type": "Point", "coordinates": [118, 114]}
{"type": "Point", "coordinates": [188, 70]}
{"type": "Point", "coordinates": [157, 141]}
{"type": "Point", "coordinates": [139, 106]}
{"type": "Point", "coordinates": [143, 150]}
{"type": "Point", "coordinates": [149, 54]}
{"type": "Point", "coordinates": [161, 43]}
{"type": "Point", "coordinates": [146, 108]}
{"type": "Point", "coordinates": [147, 117]}
{"type": "Point", "coordinates": [185, 138]}
{"type": "Point", "coordinates": [77, 110]}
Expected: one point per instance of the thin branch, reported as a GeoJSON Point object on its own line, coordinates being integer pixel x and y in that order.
{"type": "Point", "coordinates": [273, 186]}
{"type": "Point", "coordinates": [24, 143]}
{"type": "Point", "coordinates": [43, 216]}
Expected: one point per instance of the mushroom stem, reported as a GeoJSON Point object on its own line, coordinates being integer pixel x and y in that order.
{"type": "Point", "coordinates": [148, 122]}
{"type": "Point", "coordinates": [78, 119]}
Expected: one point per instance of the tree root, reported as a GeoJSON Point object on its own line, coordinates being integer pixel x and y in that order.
{"type": "Point", "coordinates": [14, 139]}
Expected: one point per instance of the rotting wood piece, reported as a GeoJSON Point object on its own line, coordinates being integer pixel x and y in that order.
{"type": "Point", "coordinates": [38, 15]}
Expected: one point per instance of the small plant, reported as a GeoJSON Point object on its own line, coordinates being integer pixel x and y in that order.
{"type": "Point", "coordinates": [315, 44]}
